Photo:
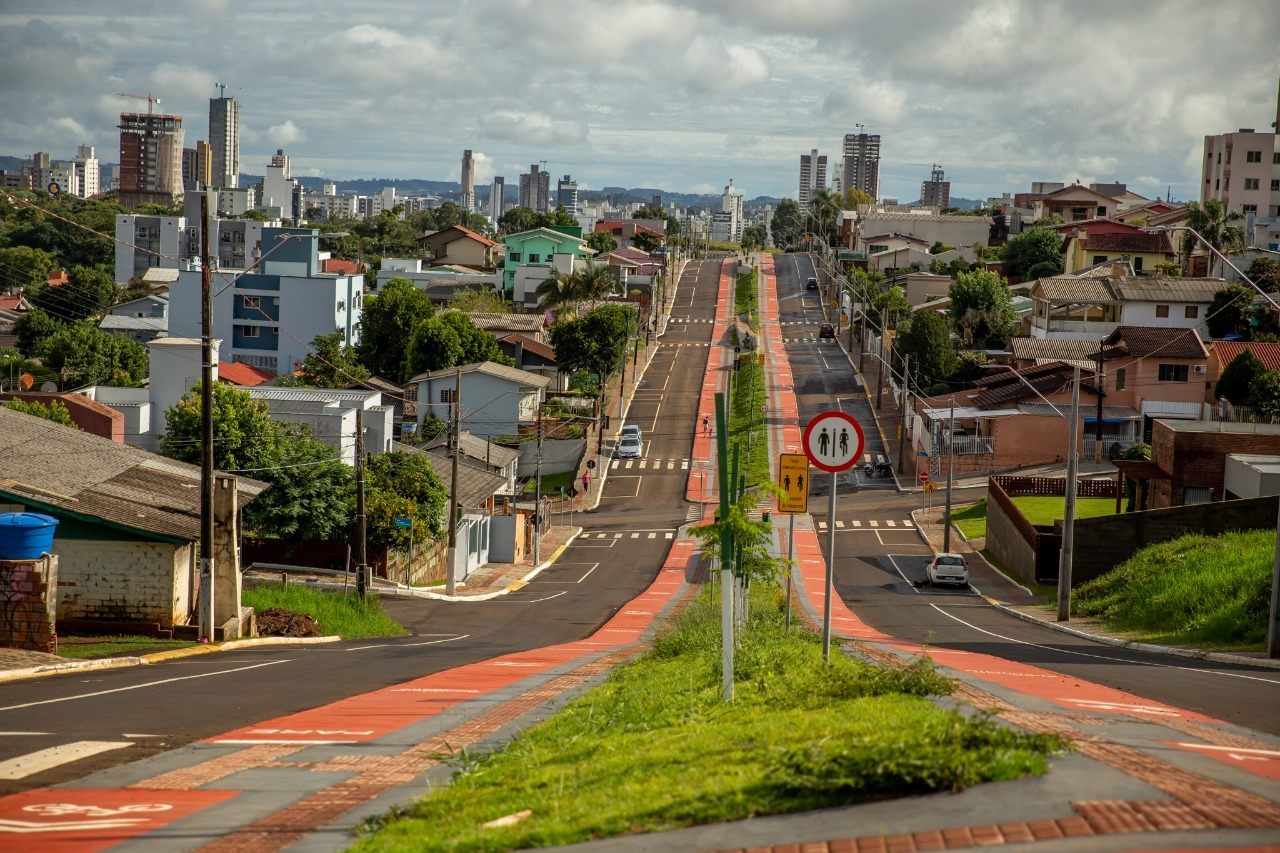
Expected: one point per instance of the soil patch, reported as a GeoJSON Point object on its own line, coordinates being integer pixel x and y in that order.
{"type": "Point", "coordinates": [278, 622]}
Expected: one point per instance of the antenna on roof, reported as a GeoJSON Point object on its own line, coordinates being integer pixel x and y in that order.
{"type": "Point", "coordinates": [222, 90]}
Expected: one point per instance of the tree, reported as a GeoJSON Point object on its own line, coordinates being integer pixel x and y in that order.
{"type": "Point", "coordinates": [311, 488]}
{"type": "Point", "coordinates": [1265, 273]}
{"type": "Point", "coordinates": [1036, 245]}
{"type": "Point", "coordinates": [482, 302]}
{"type": "Point", "coordinates": [87, 292]}
{"type": "Point", "coordinates": [517, 219]}
{"type": "Point", "coordinates": [1230, 311]}
{"type": "Point", "coordinates": [887, 305]}
{"type": "Point", "coordinates": [786, 224]}
{"type": "Point", "coordinates": [753, 237]}
{"type": "Point", "coordinates": [1216, 226]}
{"type": "Point", "coordinates": [244, 436]}
{"type": "Point", "coordinates": [602, 242]}
{"type": "Point", "coordinates": [557, 290]}
{"type": "Point", "coordinates": [1239, 378]}
{"type": "Point", "coordinates": [597, 341]}
{"type": "Point", "coordinates": [928, 343]}
{"type": "Point", "coordinates": [332, 364]}
{"type": "Point", "coordinates": [32, 329]}
{"type": "Point", "coordinates": [411, 476]}
{"type": "Point", "coordinates": [596, 281]}
{"type": "Point", "coordinates": [647, 241]}
{"type": "Point", "coordinates": [826, 206]}
{"type": "Point", "coordinates": [981, 308]}
{"type": "Point", "coordinates": [854, 197]}
{"type": "Point", "coordinates": [386, 324]}
{"type": "Point", "coordinates": [26, 266]}
{"type": "Point", "coordinates": [447, 340]}
{"type": "Point", "coordinates": [54, 410]}
{"type": "Point", "coordinates": [1265, 398]}
{"type": "Point", "coordinates": [90, 356]}
{"type": "Point", "coordinates": [672, 222]}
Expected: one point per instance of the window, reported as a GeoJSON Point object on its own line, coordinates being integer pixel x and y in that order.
{"type": "Point", "coordinates": [1137, 265]}
{"type": "Point", "coordinates": [446, 395]}
{"type": "Point", "coordinates": [1099, 259]}
{"type": "Point", "coordinates": [1219, 156]}
{"type": "Point", "coordinates": [1120, 377]}
{"type": "Point", "coordinates": [1162, 310]}
{"type": "Point", "coordinates": [1251, 183]}
{"type": "Point", "coordinates": [1253, 156]}
{"type": "Point", "coordinates": [515, 257]}
{"type": "Point", "coordinates": [877, 247]}
{"type": "Point", "coordinates": [250, 331]}
{"type": "Point", "coordinates": [252, 302]}
{"type": "Point", "coordinates": [1197, 495]}
{"type": "Point", "coordinates": [1275, 159]}
{"type": "Point", "coordinates": [1275, 185]}
{"type": "Point", "coordinates": [1078, 213]}
{"type": "Point", "coordinates": [1102, 210]}
{"type": "Point", "coordinates": [1173, 373]}
{"type": "Point", "coordinates": [533, 259]}
{"type": "Point", "coordinates": [1191, 312]}
{"type": "Point", "coordinates": [1246, 209]}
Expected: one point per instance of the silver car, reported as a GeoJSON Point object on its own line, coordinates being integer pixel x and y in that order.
{"type": "Point", "coordinates": [629, 447]}
{"type": "Point", "coordinates": [631, 429]}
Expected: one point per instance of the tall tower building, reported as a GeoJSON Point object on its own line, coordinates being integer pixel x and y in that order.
{"type": "Point", "coordinates": [90, 171]}
{"type": "Point", "coordinates": [496, 190]}
{"type": "Point", "coordinates": [862, 163]}
{"type": "Point", "coordinates": [224, 140]}
{"type": "Point", "coordinates": [277, 186]}
{"type": "Point", "coordinates": [813, 176]}
{"type": "Point", "coordinates": [567, 195]}
{"type": "Point", "coordinates": [535, 189]}
{"type": "Point", "coordinates": [467, 195]}
{"type": "Point", "coordinates": [1242, 170]}
{"type": "Point", "coordinates": [936, 192]}
{"type": "Point", "coordinates": [150, 159]}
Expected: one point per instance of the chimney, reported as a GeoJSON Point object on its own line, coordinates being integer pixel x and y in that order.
{"type": "Point", "coordinates": [1119, 268]}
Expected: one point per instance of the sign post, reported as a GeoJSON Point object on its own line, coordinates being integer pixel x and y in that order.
{"type": "Point", "coordinates": [793, 473]}
{"type": "Point", "coordinates": [408, 522]}
{"type": "Point", "coordinates": [833, 441]}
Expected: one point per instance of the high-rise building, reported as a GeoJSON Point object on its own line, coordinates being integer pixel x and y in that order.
{"type": "Point", "coordinates": [535, 189]}
{"type": "Point", "coordinates": [567, 195]}
{"type": "Point", "coordinates": [1242, 170]}
{"type": "Point", "coordinates": [813, 176]}
{"type": "Point", "coordinates": [90, 171]}
{"type": "Point", "coordinates": [467, 195]}
{"type": "Point", "coordinates": [727, 223]}
{"type": "Point", "coordinates": [862, 163]}
{"type": "Point", "coordinates": [278, 187]}
{"type": "Point", "coordinates": [197, 166]}
{"type": "Point", "coordinates": [224, 140]}
{"type": "Point", "coordinates": [150, 159]}
{"type": "Point", "coordinates": [496, 190]}
{"type": "Point", "coordinates": [936, 192]}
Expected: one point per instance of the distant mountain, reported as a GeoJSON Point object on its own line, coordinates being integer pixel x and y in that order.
{"type": "Point", "coordinates": [10, 164]}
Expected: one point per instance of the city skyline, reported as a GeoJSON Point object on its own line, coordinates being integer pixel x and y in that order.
{"type": "Point", "coordinates": [680, 96]}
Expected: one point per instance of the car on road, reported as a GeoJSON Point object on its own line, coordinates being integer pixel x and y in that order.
{"type": "Point", "coordinates": [631, 429]}
{"type": "Point", "coordinates": [826, 330]}
{"type": "Point", "coordinates": [629, 447]}
{"type": "Point", "coordinates": [947, 568]}
{"type": "Point", "coordinates": [811, 284]}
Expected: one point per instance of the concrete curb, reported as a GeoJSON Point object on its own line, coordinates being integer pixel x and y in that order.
{"type": "Point", "coordinates": [509, 588]}
{"type": "Point", "coordinates": [68, 666]}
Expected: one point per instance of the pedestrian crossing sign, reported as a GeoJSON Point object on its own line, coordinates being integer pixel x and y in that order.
{"type": "Point", "coordinates": [793, 476]}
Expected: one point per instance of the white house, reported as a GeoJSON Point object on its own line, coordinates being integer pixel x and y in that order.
{"type": "Point", "coordinates": [496, 400]}
{"type": "Point", "coordinates": [330, 413]}
{"type": "Point", "coordinates": [962, 233]}
{"type": "Point", "coordinates": [1090, 308]}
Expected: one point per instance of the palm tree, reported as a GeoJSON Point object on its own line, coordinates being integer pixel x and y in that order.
{"type": "Point", "coordinates": [595, 281]}
{"type": "Point", "coordinates": [1214, 224]}
{"type": "Point", "coordinates": [556, 290]}
{"type": "Point", "coordinates": [826, 207]}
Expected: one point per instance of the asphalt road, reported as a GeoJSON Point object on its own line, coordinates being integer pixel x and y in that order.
{"type": "Point", "coordinates": [880, 562]}
{"type": "Point", "coordinates": [156, 708]}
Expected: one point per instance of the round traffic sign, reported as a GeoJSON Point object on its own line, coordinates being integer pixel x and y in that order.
{"type": "Point", "coordinates": [833, 441]}
{"type": "Point", "coordinates": [923, 476]}
{"type": "Point", "coordinates": [764, 408]}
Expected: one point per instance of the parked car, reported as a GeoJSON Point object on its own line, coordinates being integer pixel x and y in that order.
{"type": "Point", "coordinates": [947, 568]}
{"type": "Point", "coordinates": [631, 429]}
{"type": "Point", "coordinates": [826, 330]}
{"type": "Point", "coordinates": [629, 447]}
{"type": "Point", "coordinates": [811, 284]}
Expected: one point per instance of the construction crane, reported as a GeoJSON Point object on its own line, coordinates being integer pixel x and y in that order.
{"type": "Point", "coordinates": [151, 100]}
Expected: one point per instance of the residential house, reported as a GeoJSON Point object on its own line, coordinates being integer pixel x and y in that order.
{"type": "Point", "coordinates": [894, 251]}
{"type": "Point", "coordinates": [962, 233]}
{"type": "Point", "coordinates": [1074, 204]}
{"type": "Point", "coordinates": [533, 355]}
{"type": "Point", "coordinates": [330, 415]}
{"type": "Point", "coordinates": [1092, 307]}
{"type": "Point", "coordinates": [140, 329]}
{"type": "Point", "coordinates": [1032, 352]}
{"type": "Point", "coordinates": [626, 230]}
{"type": "Point", "coordinates": [270, 316]}
{"type": "Point", "coordinates": [1095, 225]}
{"type": "Point", "coordinates": [1250, 475]}
{"type": "Point", "coordinates": [530, 257]}
{"type": "Point", "coordinates": [152, 305]}
{"type": "Point", "coordinates": [237, 373]}
{"type": "Point", "coordinates": [1143, 250]}
{"type": "Point", "coordinates": [1188, 458]}
{"type": "Point", "coordinates": [441, 284]}
{"type": "Point", "coordinates": [1143, 213]}
{"type": "Point", "coordinates": [495, 400]}
{"type": "Point", "coordinates": [129, 523]}
{"type": "Point", "coordinates": [502, 325]}
{"type": "Point", "coordinates": [462, 246]}
{"type": "Point", "coordinates": [922, 287]}
{"type": "Point", "coordinates": [1222, 353]}
{"type": "Point", "coordinates": [1159, 372]}
{"type": "Point", "coordinates": [483, 455]}
{"type": "Point", "coordinates": [12, 307]}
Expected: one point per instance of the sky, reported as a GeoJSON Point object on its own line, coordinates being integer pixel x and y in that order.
{"type": "Point", "coordinates": [683, 95]}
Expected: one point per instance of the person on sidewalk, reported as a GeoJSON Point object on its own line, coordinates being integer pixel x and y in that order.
{"type": "Point", "coordinates": [586, 481]}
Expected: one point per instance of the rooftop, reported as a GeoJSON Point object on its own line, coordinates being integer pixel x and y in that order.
{"type": "Point", "coordinates": [1142, 341]}
{"type": "Point", "coordinates": [1229, 351]}
{"type": "Point", "coordinates": [474, 487]}
{"type": "Point", "coordinates": [502, 371]}
{"type": "Point", "coordinates": [1229, 427]}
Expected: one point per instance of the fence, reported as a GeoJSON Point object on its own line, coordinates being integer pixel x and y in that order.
{"type": "Point", "coordinates": [967, 445]}
{"type": "Point", "coordinates": [1054, 486]}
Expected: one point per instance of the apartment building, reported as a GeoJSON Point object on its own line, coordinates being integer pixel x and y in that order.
{"type": "Point", "coordinates": [813, 176]}
{"type": "Point", "coordinates": [1242, 170]}
{"type": "Point", "coordinates": [150, 159]}
{"type": "Point", "coordinates": [862, 163]}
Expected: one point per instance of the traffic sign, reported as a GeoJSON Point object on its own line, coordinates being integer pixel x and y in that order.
{"type": "Point", "coordinates": [923, 476]}
{"type": "Point", "coordinates": [833, 441]}
{"type": "Point", "coordinates": [793, 475]}
{"type": "Point", "coordinates": [404, 522]}
{"type": "Point", "coordinates": [930, 487]}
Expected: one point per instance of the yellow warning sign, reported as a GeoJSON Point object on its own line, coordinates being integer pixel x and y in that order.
{"type": "Point", "coordinates": [930, 487]}
{"type": "Point", "coordinates": [793, 476]}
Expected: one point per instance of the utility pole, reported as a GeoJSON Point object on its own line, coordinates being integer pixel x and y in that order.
{"type": "Point", "coordinates": [726, 550]}
{"type": "Point", "coordinates": [1273, 622]}
{"type": "Point", "coordinates": [362, 532]}
{"type": "Point", "coordinates": [951, 472]}
{"type": "Point", "coordinates": [880, 369]}
{"type": "Point", "coordinates": [1069, 511]}
{"type": "Point", "coordinates": [537, 498]}
{"type": "Point", "coordinates": [902, 410]}
{"type": "Point", "coordinates": [451, 553]}
{"type": "Point", "coordinates": [206, 421]}
{"type": "Point", "coordinates": [1097, 426]}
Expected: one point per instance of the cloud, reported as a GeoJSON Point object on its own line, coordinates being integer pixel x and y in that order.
{"type": "Point", "coordinates": [874, 103]}
{"type": "Point", "coordinates": [531, 128]}
{"type": "Point", "coordinates": [171, 81]}
{"type": "Point", "coordinates": [285, 134]}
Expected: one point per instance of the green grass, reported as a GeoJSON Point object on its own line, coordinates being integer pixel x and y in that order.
{"type": "Point", "coordinates": [340, 613]}
{"type": "Point", "coordinates": [746, 299]}
{"type": "Point", "coordinates": [1205, 591]}
{"type": "Point", "coordinates": [83, 647]}
{"type": "Point", "coordinates": [749, 394]}
{"type": "Point", "coordinates": [654, 748]}
{"type": "Point", "coordinates": [971, 520]}
{"type": "Point", "coordinates": [551, 484]}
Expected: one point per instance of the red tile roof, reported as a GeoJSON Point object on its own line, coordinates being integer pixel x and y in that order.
{"type": "Point", "coordinates": [239, 373]}
{"type": "Point", "coordinates": [1142, 341]}
{"type": "Point", "coordinates": [529, 344]}
{"type": "Point", "coordinates": [1229, 351]}
{"type": "Point", "coordinates": [474, 236]}
{"type": "Point", "coordinates": [11, 303]}
{"type": "Point", "coordinates": [1140, 241]}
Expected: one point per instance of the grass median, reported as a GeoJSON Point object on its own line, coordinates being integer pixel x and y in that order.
{"type": "Point", "coordinates": [654, 748]}
{"type": "Point", "coordinates": [746, 420]}
{"type": "Point", "coordinates": [340, 613]}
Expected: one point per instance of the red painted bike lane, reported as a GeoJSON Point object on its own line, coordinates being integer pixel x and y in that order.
{"type": "Point", "coordinates": [83, 820]}
{"type": "Point", "coordinates": [701, 485]}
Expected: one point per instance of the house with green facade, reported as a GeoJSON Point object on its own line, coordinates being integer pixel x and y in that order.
{"type": "Point", "coordinates": [529, 257]}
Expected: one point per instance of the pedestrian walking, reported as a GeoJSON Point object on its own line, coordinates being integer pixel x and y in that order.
{"type": "Point", "coordinates": [586, 482]}
{"type": "Point", "coordinates": [706, 425]}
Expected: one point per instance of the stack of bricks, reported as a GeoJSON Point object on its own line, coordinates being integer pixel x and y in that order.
{"type": "Point", "coordinates": [28, 603]}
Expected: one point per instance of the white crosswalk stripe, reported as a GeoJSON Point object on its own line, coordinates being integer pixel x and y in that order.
{"type": "Point", "coordinates": [670, 535]}
{"type": "Point", "coordinates": [615, 464]}
{"type": "Point", "coordinates": [637, 535]}
{"type": "Point", "coordinates": [839, 524]}
{"type": "Point", "coordinates": [877, 524]}
{"type": "Point", "coordinates": [891, 523]}
{"type": "Point", "coordinates": [55, 756]}
{"type": "Point", "coordinates": [857, 523]}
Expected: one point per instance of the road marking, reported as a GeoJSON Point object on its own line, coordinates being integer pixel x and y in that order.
{"type": "Point", "coordinates": [894, 563]}
{"type": "Point", "coordinates": [635, 535]}
{"type": "Point", "coordinates": [874, 523]}
{"type": "Point", "coordinates": [532, 600]}
{"type": "Point", "coordinates": [55, 756]}
{"type": "Point", "coordinates": [1234, 751]}
{"type": "Point", "coordinates": [891, 523]}
{"type": "Point", "coordinates": [839, 524]}
{"type": "Point", "coordinates": [615, 464]}
{"type": "Point", "coordinates": [140, 686]}
{"type": "Point", "coordinates": [629, 464]}
{"type": "Point", "coordinates": [451, 638]}
{"type": "Point", "coordinates": [652, 536]}
{"type": "Point", "coordinates": [670, 535]}
{"type": "Point", "coordinates": [617, 536]}
{"type": "Point", "coordinates": [822, 525]}
{"type": "Point", "coordinates": [26, 734]}
{"type": "Point", "coordinates": [641, 465]}
{"type": "Point", "coordinates": [857, 523]}
{"type": "Point", "coordinates": [1124, 706]}
{"type": "Point", "coordinates": [906, 522]}
{"type": "Point", "coordinates": [684, 466]}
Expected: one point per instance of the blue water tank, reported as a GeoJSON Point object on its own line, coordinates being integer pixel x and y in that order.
{"type": "Point", "coordinates": [25, 535]}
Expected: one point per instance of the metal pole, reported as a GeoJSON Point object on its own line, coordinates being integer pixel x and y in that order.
{"type": "Point", "coordinates": [537, 498]}
{"type": "Point", "coordinates": [1069, 511]}
{"type": "Point", "coordinates": [451, 552]}
{"type": "Point", "coordinates": [791, 562]}
{"type": "Point", "coordinates": [1273, 622]}
{"type": "Point", "coordinates": [206, 419]}
{"type": "Point", "coordinates": [828, 588]}
{"type": "Point", "coordinates": [902, 410]}
{"type": "Point", "coordinates": [1097, 427]}
{"type": "Point", "coordinates": [951, 470]}
{"type": "Point", "coordinates": [361, 520]}
{"type": "Point", "coordinates": [726, 553]}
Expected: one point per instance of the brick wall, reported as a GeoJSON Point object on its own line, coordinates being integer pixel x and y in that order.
{"type": "Point", "coordinates": [91, 416]}
{"type": "Point", "coordinates": [1199, 459]}
{"type": "Point", "coordinates": [124, 581]}
{"type": "Point", "coordinates": [26, 605]}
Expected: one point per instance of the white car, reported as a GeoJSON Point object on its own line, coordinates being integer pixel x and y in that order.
{"type": "Point", "coordinates": [947, 568]}
{"type": "Point", "coordinates": [632, 430]}
{"type": "Point", "coordinates": [629, 447]}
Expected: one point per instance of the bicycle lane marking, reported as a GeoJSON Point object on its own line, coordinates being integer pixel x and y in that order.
{"type": "Point", "coordinates": [84, 820]}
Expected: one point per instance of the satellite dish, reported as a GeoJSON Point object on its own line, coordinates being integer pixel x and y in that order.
{"type": "Point", "coordinates": [49, 387]}
{"type": "Point", "coordinates": [25, 381]}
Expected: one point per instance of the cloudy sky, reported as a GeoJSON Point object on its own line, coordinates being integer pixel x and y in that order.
{"type": "Point", "coordinates": [678, 94]}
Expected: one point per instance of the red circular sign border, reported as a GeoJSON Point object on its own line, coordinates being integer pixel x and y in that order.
{"type": "Point", "coordinates": [857, 429]}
